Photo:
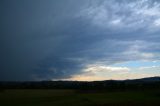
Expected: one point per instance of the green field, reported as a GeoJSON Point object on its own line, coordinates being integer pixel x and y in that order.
{"type": "Point", "coordinates": [73, 98]}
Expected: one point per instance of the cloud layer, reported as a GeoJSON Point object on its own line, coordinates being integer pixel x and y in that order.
{"type": "Point", "coordinates": [42, 40]}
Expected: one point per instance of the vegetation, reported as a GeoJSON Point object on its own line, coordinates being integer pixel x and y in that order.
{"type": "Point", "coordinates": [37, 97]}
{"type": "Point", "coordinates": [145, 83]}
{"type": "Point", "coordinates": [142, 92]}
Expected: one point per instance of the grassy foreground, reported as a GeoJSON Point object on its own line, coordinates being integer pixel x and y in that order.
{"type": "Point", "coordinates": [39, 97]}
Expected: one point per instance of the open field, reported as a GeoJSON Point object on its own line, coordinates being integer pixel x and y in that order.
{"type": "Point", "coordinates": [37, 97]}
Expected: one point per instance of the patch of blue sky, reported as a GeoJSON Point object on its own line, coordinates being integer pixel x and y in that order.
{"type": "Point", "coordinates": [136, 64]}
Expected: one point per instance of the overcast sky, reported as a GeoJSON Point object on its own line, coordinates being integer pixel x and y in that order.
{"type": "Point", "coordinates": [79, 39]}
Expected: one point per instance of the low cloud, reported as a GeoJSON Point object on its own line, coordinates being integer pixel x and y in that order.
{"type": "Point", "coordinates": [102, 68]}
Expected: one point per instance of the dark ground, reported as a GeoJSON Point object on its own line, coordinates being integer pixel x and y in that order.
{"type": "Point", "coordinates": [64, 97]}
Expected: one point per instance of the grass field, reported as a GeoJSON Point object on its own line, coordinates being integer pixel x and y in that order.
{"type": "Point", "coordinates": [38, 97]}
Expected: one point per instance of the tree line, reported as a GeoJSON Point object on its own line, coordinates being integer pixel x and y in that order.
{"type": "Point", "coordinates": [84, 85]}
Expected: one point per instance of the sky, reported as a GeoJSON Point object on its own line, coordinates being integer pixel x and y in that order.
{"type": "Point", "coordinates": [84, 40]}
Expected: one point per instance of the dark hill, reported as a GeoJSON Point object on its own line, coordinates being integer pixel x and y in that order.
{"type": "Point", "coordinates": [144, 83]}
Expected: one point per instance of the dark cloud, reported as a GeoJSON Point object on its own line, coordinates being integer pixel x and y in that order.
{"type": "Point", "coordinates": [56, 39]}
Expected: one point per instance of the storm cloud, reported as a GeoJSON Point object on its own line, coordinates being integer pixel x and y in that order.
{"type": "Point", "coordinates": [56, 39]}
